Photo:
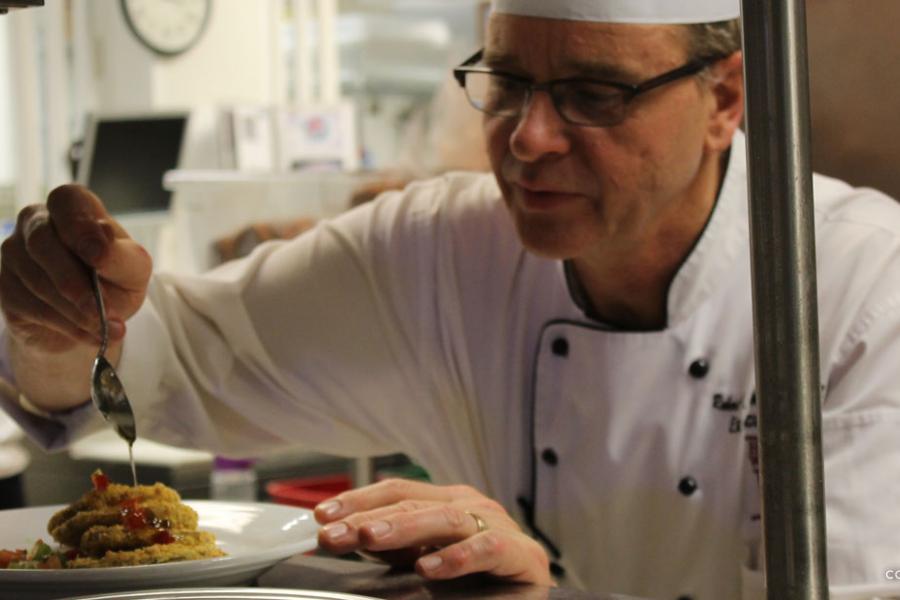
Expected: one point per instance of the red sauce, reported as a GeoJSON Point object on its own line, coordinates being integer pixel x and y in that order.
{"type": "Point", "coordinates": [163, 536]}
{"type": "Point", "coordinates": [100, 481]}
{"type": "Point", "coordinates": [134, 517]}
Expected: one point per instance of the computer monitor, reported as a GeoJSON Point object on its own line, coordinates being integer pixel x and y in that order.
{"type": "Point", "coordinates": [124, 159]}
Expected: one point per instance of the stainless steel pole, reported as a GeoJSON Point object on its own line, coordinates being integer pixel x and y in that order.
{"type": "Point", "coordinates": [784, 298]}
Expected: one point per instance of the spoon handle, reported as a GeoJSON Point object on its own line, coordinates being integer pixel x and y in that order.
{"type": "Point", "coordinates": [101, 309]}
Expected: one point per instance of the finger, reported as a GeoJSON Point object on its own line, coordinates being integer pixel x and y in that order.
{"type": "Point", "coordinates": [35, 321]}
{"type": "Point", "coordinates": [47, 253]}
{"type": "Point", "coordinates": [127, 266]}
{"type": "Point", "coordinates": [341, 537]}
{"type": "Point", "coordinates": [97, 239]}
{"type": "Point", "coordinates": [19, 265]}
{"type": "Point", "coordinates": [385, 493]}
{"type": "Point", "coordinates": [86, 230]}
{"type": "Point", "coordinates": [439, 525]}
{"type": "Point", "coordinates": [82, 223]}
{"type": "Point", "coordinates": [511, 556]}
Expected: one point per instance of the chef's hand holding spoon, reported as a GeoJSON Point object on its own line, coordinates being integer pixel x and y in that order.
{"type": "Point", "coordinates": [445, 531]}
{"type": "Point", "coordinates": [47, 298]}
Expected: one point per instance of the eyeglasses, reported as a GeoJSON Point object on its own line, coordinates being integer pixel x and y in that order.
{"type": "Point", "coordinates": [578, 100]}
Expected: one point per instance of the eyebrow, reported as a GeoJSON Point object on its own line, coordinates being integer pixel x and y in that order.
{"type": "Point", "coordinates": [578, 68]}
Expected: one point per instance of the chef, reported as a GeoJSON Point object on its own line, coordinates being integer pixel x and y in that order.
{"type": "Point", "coordinates": [565, 345]}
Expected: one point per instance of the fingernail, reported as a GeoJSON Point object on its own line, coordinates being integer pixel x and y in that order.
{"type": "Point", "coordinates": [330, 507]}
{"type": "Point", "coordinates": [335, 531]}
{"type": "Point", "coordinates": [379, 528]}
{"type": "Point", "coordinates": [116, 329]}
{"type": "Point", "coordinates": [90, 250]}
{"type": "Point", "coordinates": [431, 562]}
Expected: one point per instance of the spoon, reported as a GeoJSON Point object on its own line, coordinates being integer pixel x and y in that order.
{"type": "Point", "coordinates": [107, 391]}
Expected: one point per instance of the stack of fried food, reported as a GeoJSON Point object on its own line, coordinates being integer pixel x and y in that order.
{"type": "Point", "coordinates": [118, 525]}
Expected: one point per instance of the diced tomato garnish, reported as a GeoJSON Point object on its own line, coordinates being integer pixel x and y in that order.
{"type": "Point", "coordinates": [163, 536]}
{"type": "Point", "coordinates": [52, 562]}
{"type": "Point", "coordinates": [8, 556]}
{"type": "Point", "coordinates": [133, 516]}
{"type": "Point", "coordinates": [134, 519]}
{"type": "Point", "coordinates": [100, 480]}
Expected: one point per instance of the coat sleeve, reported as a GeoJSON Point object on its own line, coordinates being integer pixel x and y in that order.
{"type": "Point", "coordinates": [861, 446]}
{"type": "Point", "coordinates": [329, 341]}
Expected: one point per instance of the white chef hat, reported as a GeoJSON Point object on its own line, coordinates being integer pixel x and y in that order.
{"type": "Point", "coordinates": [624, 11]}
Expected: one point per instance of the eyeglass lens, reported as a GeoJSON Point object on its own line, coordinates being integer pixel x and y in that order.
{"type": "Point", "coordinates": [579, 102]}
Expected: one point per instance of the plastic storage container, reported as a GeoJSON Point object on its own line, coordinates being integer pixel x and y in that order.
{"type": "Point", "coordinates": [308, 491]}
{"type": "Point", "coordinates": [233, 480]}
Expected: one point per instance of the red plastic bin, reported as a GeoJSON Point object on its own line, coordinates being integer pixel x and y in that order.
{"type": "Point", "coordinates": [308, 491]}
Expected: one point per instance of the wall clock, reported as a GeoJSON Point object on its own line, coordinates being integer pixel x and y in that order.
{"type": "Point", "coordinates": [167, 27]}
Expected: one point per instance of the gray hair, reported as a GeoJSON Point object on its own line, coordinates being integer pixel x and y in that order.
{"type": "Point", "coordinates": [713, 39]}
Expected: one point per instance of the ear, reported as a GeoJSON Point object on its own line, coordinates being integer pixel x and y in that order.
{"type": "Point", "coordinates": [726, 90]}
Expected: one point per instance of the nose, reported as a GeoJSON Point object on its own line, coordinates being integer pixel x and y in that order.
{"type": "Point", "coordinates": [540, 130]}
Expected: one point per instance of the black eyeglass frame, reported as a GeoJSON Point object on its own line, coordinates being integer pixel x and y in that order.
{"type": "Point", "coordinates": [629, 90]}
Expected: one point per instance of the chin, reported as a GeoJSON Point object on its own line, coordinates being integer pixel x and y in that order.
{"type": "Point", "coordinates": [550, 239]}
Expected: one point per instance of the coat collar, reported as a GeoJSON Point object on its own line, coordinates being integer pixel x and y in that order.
{"type": "Point", "coordinates": [722, 241]}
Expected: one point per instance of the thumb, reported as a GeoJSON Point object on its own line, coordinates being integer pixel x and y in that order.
{"type": "Point", "coordinates": [82, 223]}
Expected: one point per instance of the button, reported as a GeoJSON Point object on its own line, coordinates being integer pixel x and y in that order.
{"type": "Point", "coordinates": [560, 347]}
{"type": "Point", "coordinates": [699, 368]}
{"type": "Point", "coordinates": [549, 456]}
{"type": "Point", "coordinates": [557, 570]}
{"type": "Point", "coordinates": [688, 486]}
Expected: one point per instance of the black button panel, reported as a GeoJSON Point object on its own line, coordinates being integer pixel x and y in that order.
{"type": "Point", "coordinates": [550, 457]}
{"type": "Point", "coordinates": [687, 486]}
{"type": "Point", "coordinates": [560, 347]}
{"type": "Point", "coordinates": [699, 368]}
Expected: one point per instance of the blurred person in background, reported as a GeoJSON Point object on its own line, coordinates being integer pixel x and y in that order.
{"type": "Point", "coordinates": [566, 345]}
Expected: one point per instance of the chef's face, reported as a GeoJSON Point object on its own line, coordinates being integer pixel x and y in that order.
{"type": "Point", "coordinates": [572, 189]}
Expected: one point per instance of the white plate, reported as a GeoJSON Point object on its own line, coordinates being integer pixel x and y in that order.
{"type": "Point", "coordinates": [254, 535]}
{"type": "Point", "coordinates": [228, 594]}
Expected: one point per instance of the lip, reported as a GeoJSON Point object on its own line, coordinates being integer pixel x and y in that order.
{"type": "Point", "coordinates": [542, 199]}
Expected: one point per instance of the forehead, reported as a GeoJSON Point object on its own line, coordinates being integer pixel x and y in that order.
{"type": "Point", "coordinates": [552, 47]}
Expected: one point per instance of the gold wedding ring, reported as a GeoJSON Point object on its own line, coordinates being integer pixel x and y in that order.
{"type": "Point", "coordinates": [479, 522]}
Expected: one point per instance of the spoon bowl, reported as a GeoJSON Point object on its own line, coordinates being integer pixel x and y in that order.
{"type": "Point", "coordinates": [108, 395]}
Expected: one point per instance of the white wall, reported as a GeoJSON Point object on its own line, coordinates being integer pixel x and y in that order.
{"type": "Point", "coordinates": [230, 63]}
{"type": "Point", "coordinates": [7, 158]}
{"type": "Point", "coordinates": [121, 69]}
{"type": "Point", "coordinates": [32, 120]}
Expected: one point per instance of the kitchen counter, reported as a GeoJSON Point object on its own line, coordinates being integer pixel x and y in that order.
{"type": "Point", "coordinates": [376, 580]}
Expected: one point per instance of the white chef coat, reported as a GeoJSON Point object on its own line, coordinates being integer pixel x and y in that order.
{"type": "Point", "coordinates": [418, 324]}
{"type": "Point", "coordinates": [13, 457]}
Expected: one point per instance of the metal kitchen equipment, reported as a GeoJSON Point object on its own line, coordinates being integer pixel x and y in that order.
{"type": "Point", "coordinates": [786, 335]}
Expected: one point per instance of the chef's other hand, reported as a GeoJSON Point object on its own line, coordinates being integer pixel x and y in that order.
{"type": "Point", "coordinates": [45, 284]}
{"type": "Point", "coordinates": [446, 531]}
